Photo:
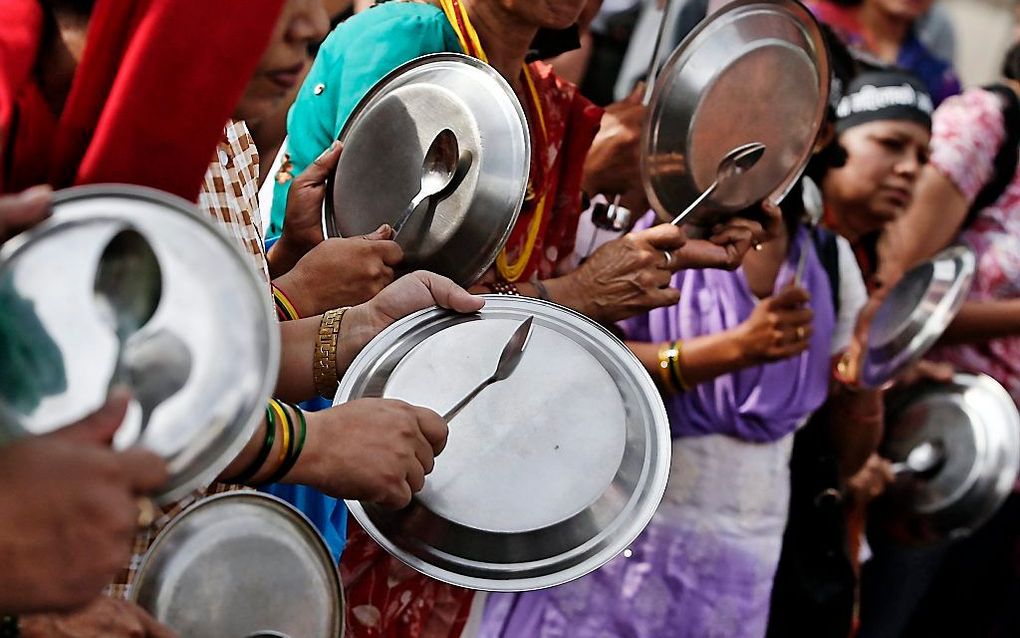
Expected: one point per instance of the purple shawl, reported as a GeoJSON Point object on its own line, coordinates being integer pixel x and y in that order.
{"type": "Point", "coordinates": [758, 404]}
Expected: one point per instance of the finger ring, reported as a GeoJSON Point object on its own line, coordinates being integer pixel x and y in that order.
{"type": "Point", "coordinates": [801, 332]}
{"type": "Point", "coordinates": [669, 258]}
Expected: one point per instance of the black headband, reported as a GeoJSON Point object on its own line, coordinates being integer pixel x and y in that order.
{"type": "Point", "coordinates": [884, 95]}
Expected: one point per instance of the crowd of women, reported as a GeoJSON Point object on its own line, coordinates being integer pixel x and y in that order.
{"type": "Point", "coordinates": [757, 371]}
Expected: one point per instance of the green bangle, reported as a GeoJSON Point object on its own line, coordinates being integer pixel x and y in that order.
{"type": "Point", "coordinates": [291, 452]}
{"type": "Point", "coordinates": [267, 446]}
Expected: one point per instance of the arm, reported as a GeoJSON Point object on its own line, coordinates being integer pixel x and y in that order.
{"type": "Point", "coordinates": [779, 328]}
{"type": "Point", "coordinates": [856, 427]}
{"type": "Point", "coordinates": [979, 321]}
{"type": "Point", "coordinates": [929, 225]}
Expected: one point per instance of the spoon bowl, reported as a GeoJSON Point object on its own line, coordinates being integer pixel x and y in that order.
{"type": "Point", "coordinates": [128, 283]}
{"type": "Point", "coordinates": [438, 169]}
{"type": "Point", "coordinates": [735, 163]}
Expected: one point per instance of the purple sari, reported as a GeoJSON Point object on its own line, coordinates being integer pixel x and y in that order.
{"type": "Point", "coordinates": [704, 566]}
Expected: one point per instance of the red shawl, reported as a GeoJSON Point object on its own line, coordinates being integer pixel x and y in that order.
{"type": "Point", "coordinates": [157, 81]}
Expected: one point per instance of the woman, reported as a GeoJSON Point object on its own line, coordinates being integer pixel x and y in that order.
{"type": "Point", "coordinates": [743, 360]}
{"type": "Point", "coordinates": [357, 468]}
{"type": "Point", "coordinates": [384, 597]}
{"type": "Point", "coordinates": [966, 194]}
{"type": "Point", "coordinates": [887, 30]}
{"type": "Point", "coordinates": [884, 126]}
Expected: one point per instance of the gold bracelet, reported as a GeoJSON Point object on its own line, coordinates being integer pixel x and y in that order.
{"type": "Point", "coordinates": [667, 353]}
{"type": "Point", "coordinates": [677, 374]}
{"type": "Point", "coordinates": [324, 368]}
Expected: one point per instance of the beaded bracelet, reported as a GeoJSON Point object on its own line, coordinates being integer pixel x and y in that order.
{"type": "Point", "coordinates": [267, 446]}
{"type": "Point", "coordinates": [294, 449]}
{"type": "Point", "coordinates": [285, 309]}
{"type": "Point", "coordinates": [503, 288]}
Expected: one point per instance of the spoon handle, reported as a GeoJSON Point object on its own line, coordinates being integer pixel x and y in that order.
{"type": "Point", "coordinates": [697, 202]}
{"type": "Point", "coordinates": [802, 261]}
{"type": "Point", "coordinates": [413, 206]}
{"type": "Point", "coordinates": [452, 412]}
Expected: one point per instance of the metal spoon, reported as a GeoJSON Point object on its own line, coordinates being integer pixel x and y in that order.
{"type": "Point", "coordinates": [127, 287]}
{"type": "Point", "coordinates": [652, 75]}
{"type": "Point", "coordinates": [437, 171]}
{"type": "Point", "coordinates": [508, 360]}
{"type": "Point", "coordinates": [158, 367]}
{"type": "Point", "coordinates": [923, 459]}
{"type": "Point", "coordinates": [737, 162]}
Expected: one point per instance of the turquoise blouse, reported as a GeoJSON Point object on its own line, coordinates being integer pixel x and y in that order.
{"type": "Point", "coordinates": [353, 58]}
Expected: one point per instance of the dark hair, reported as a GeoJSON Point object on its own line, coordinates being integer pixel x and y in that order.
{"type": "Point", "coordinates": [1011, 65]}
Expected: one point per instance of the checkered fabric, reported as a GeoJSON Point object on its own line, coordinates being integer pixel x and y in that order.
{"type": "Point", "coordinates": [230, 197]}
{"type": "Point", "coordinates": [230, 194]}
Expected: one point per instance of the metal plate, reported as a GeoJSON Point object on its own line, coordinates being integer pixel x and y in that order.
{"type": "Point", "coordinates": [916, 313]}
{"type": "Point", "coordinates": [976, 421]}
{"type": "Point", "coordinates": [752, 72]}
{"type": "Point", "coordinates": [547, 475]}
{"type": "Point", "coordinates": [385, 140]}
{"type": "Point", "coordinates": [241, 565]}
{"type": "Point", "coordinates": [211, 300]}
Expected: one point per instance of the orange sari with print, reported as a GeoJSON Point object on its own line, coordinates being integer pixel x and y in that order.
{"type": "Point", "coordinates": [384, 597]}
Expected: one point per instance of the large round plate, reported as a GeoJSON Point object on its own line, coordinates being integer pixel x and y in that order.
{"type": "Point", "coordinates": [916, 313]}
{"type": "Point", "coordinates": [385, 140]}
{"type": "Point", "coordinates": [975, 421]}
{"type": "Point", "coordinates": [211, 301]}
{"type": "Point", "coordinates": [753, 72]}
{"type": "Point", "coordinates": [244, 565]}
{"type": "Point", "coordinates": [546, 475]}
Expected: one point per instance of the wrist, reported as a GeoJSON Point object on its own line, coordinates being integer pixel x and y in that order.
{"type": "Point", "coordinates": [565, 292]}
{"type": "Point", "coordinates": [283, 255]}
{"type": "Point", "coordinates": [356, 330]}
{"type": "Point", "coordinates": [737, 349]}
{"type": "Point", "coordinates": [306, 470]}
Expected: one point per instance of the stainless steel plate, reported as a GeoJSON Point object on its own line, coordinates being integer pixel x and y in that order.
{"type": "Point", "coordinates": [975, 420]}
{"type": "Point", "coordinates": [211, 300]}
{"type": "Point", "coordinates": [241, 565]}
{"type": "Point", "coordinates": [753, 72]}
{"type": "Point", "coordinates": [916, 313]}
{"type": "Point", "coordinates": [386, 138]}
{"type": "Point", "coordinates": [547, 475]}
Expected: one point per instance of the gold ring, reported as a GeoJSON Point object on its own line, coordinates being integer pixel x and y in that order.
{"type": "Point", "coordinates": [801, 332]}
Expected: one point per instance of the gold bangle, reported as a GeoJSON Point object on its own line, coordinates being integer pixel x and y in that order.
{"type": "Point", "coordinates": [324, 368]}
{"type": "Point", "coordinates": [667, 353]}
{"type": "Point", "coordinates": [675, 367]}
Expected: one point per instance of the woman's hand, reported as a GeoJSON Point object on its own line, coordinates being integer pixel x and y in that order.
{"type": "Point", "coordinates": [407, 295]}
{"type": "Point", "coordinates": [302, 223]}
{"type": "Point", "coordinates": [871, 480]}
{"type": "Point", "coordinates": [778, 328]}
{"type": "Point", "coordinates": [729, 242]}
{"type": "Point", "coordinates": [342, 272]}
{"type": "Point", "coordinates": [613, 163]}
{"type": "Point", "coordinates": [376, 450]}
{"type": "Point", "coordinates": [69, 511]}
{"type": "Point", "coordinates": [624, 277]}
{"type": "Point", "coordinates": [24, 210]}
{"type": "Point", "coordinates": [104, 618]}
